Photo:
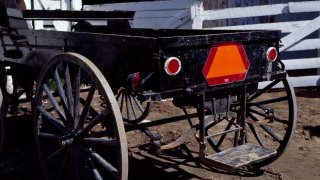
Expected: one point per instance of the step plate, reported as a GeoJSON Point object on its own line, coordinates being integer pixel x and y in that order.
{"type": "Point", "coordinates": [239, 156]}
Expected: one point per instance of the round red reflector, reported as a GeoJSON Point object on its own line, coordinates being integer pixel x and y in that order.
{"type": "Point", "coordinates": [272, 54]}
{"type": "Point", "coordinates": [172, 66]}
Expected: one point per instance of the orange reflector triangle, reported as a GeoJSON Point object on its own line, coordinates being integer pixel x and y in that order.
{"type": "Point", "coordinates": [226, 63]}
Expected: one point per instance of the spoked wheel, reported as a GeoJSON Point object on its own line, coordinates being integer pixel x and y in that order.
{"type": "Point", "coordinates": [3, 122]}
{"type": "Point", "coordinates": [132, 109]}
{"type": "Point", "coordinates": [270, 122]}
{"type": "Point", "coordinates": [78, 140]}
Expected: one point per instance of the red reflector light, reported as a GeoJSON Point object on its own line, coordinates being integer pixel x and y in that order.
{"type": "Point", "coordinates": [272, 54]}
{"type": "Point", "coordinates": [172, 66]}
{"type": "Point", "coordinates": [136, 81]}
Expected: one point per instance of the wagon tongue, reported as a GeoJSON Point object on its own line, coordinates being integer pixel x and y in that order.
{"type": "Point", "coordinates": [226, 63]}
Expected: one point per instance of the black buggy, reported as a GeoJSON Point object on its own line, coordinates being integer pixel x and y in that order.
{"type": "Point", "coordinates": [97, 82]}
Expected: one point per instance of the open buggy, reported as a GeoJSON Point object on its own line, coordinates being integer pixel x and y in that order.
{"type": "Point", "coordinates": [97, 82]}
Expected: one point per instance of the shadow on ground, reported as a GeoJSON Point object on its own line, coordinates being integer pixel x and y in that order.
{"type": "Point", "coordinates": [19, 161]}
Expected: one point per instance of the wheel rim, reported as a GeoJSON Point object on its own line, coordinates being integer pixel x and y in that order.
{"type": "Point", "coordinates": [3, 126]}
{"type": "Point", "coordinates": [132, 109]}
{"type": "Point", "coordinates": [270, 122]}
{"type": "Point", "coordinates": [75, 139]}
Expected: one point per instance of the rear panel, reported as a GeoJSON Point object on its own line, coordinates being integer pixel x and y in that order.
{"type": "Point", "coordinates": [210, 66]}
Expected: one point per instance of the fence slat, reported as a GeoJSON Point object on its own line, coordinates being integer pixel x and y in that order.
{"type": "Point", "coordinates": [144, 6]}
{"type": "Point", "coordinates": [178, 20]}
{"type": "Point", "coordinates": [308, 44]}
{"type": "Point", "coordinates": [285, 27]}
{"type": "Point", "coordinates": [306, 63]}
{"type": "Point", "coordinates": [263, 10]}
{"type": "Point", "coordinates": [298, 7]}
{"type": "Point", "coordinates": [305, 81]}
{"type": "Point", "coordinates": [242, 12]}
{"type": "Point", "coordinates": [301, 33]}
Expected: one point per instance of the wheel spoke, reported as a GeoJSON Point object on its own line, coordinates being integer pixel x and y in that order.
{"type": "Point", "coordinates": [139, 104]}
{"type": "Point", "coordinates": [49, 136]}
{"type": "Point", "coordinates": [55, 104]}
{"type": "Point", "coordinates": [265, 116]}
{"type": "Point", "coordinates": [87, 105]}
{"type": "Point", "coordinates": [224, 135]}
{"type": "Point", "coordinates": [256, 134]}
{"type": "Point", "coordinates": [127, 106]}
{"type": "Point", "coordinates": [54, 154]}
{"type": "Point", "coordinates": [92, 167]}
{"type": "Point", "coordinates": [58, 83]}
{"type": "Point", "coordinates": [77, 96]}
{"type": "Point", "coordinates": [62, 167]}
{"type": "Point", "coordinates": [68, 89]}
{"type": "Point", "coordinates": [122, 99]}
{"type": "Point", "coordinates": [270, 101]}
{"type": "Point", "coordinates": [272, 134]}
{"type": "Point", "coordinates": [94, 122]}
{"type": "Point", "coordinates": [100, 141]}
{"type": "Point", "coordinates": [266, 129]}
{"type": "Point", "coordinates": [105, 164]}
{"type": "Point", "coordinates": [265, 89]}
{"type": "Point", "coordinates": [133, 111]}
{"type": "Point", "coordinates": [51, 119]}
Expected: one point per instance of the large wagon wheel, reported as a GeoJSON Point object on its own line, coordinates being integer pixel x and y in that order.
{"type": "Point", "coordinates": [3, 122]}
{"type": "Point", "coordinates": [133, 109]}
{"type": "Point", "coordinates": [78, 140]}
{"type": "Point", "coordinates": [270, 122]}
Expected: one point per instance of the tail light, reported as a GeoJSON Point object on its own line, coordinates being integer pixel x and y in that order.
{"type": "Point", "coordinates": [272, 54]}
{"type": "Point", "coordinates": [136, 81]}
{"type": "Point", "coordinates": [172, 66]}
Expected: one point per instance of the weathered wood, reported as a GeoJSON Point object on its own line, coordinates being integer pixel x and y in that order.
{"type": "Point", "coordinates": [239, 156]}
{"type": "Point", "coordinates": [301, 33]}
{"type": "Point", "coordinates": [262, 10]}
{"type": "Point", "coordinates": [308, 44]}
{"type": "Point", "coordinates": [306, 63]}
{"type": "Point", "coordinates": [303, 81]}
{"type": "Point", "coordinates": [285, 27]}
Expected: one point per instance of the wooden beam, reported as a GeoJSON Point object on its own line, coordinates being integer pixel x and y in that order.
{"type": "Point", "coordinates": [300, 33]}
{"type": "Point", "coordinates": [306, 63]}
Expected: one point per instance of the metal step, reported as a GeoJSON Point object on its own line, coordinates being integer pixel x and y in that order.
{"type": "Point", "coordinates": [239, 156]}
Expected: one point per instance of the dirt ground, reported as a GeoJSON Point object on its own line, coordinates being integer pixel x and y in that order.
{"type": "Point", "coordinates": [300, 161]}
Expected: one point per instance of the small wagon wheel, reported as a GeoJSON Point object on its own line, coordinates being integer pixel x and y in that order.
{"type": "Point", "coordinates": [270, 122]}
{"type": "Point", "coordinates": [133, 109]}
{"type": "Point", "coordinates": [78, 140]}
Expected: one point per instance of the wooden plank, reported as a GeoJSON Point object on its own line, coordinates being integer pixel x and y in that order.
{"type": "Point", "coordinates": [148, 23]}
{"type": "Point", "coordinates": [308, 44]}
{"type": "Point", "coordinates": [306, 63]}
{"type": "Point", "coordinates": [303, 81]}
{"type": "Point", "coordinates": [285, 27]}
{"type": "Point", "coordinates": [263, 10]}
{"type": "Point", "coordinates": [144, 6]}
{"type": "Point", "coordinates": [158, 14]}
{"type": "Point", "coordinates": [298, 7]}
{"type": "Point", "coordinates": [178, 20]}
{"type": "Point", "coordinates": [301, 33]}
{"type": "Point", "coordinates": [242, 12]}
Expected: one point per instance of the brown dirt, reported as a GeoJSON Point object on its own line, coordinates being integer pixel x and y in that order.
{"type": "Point", "coordinates": [300, 161]}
